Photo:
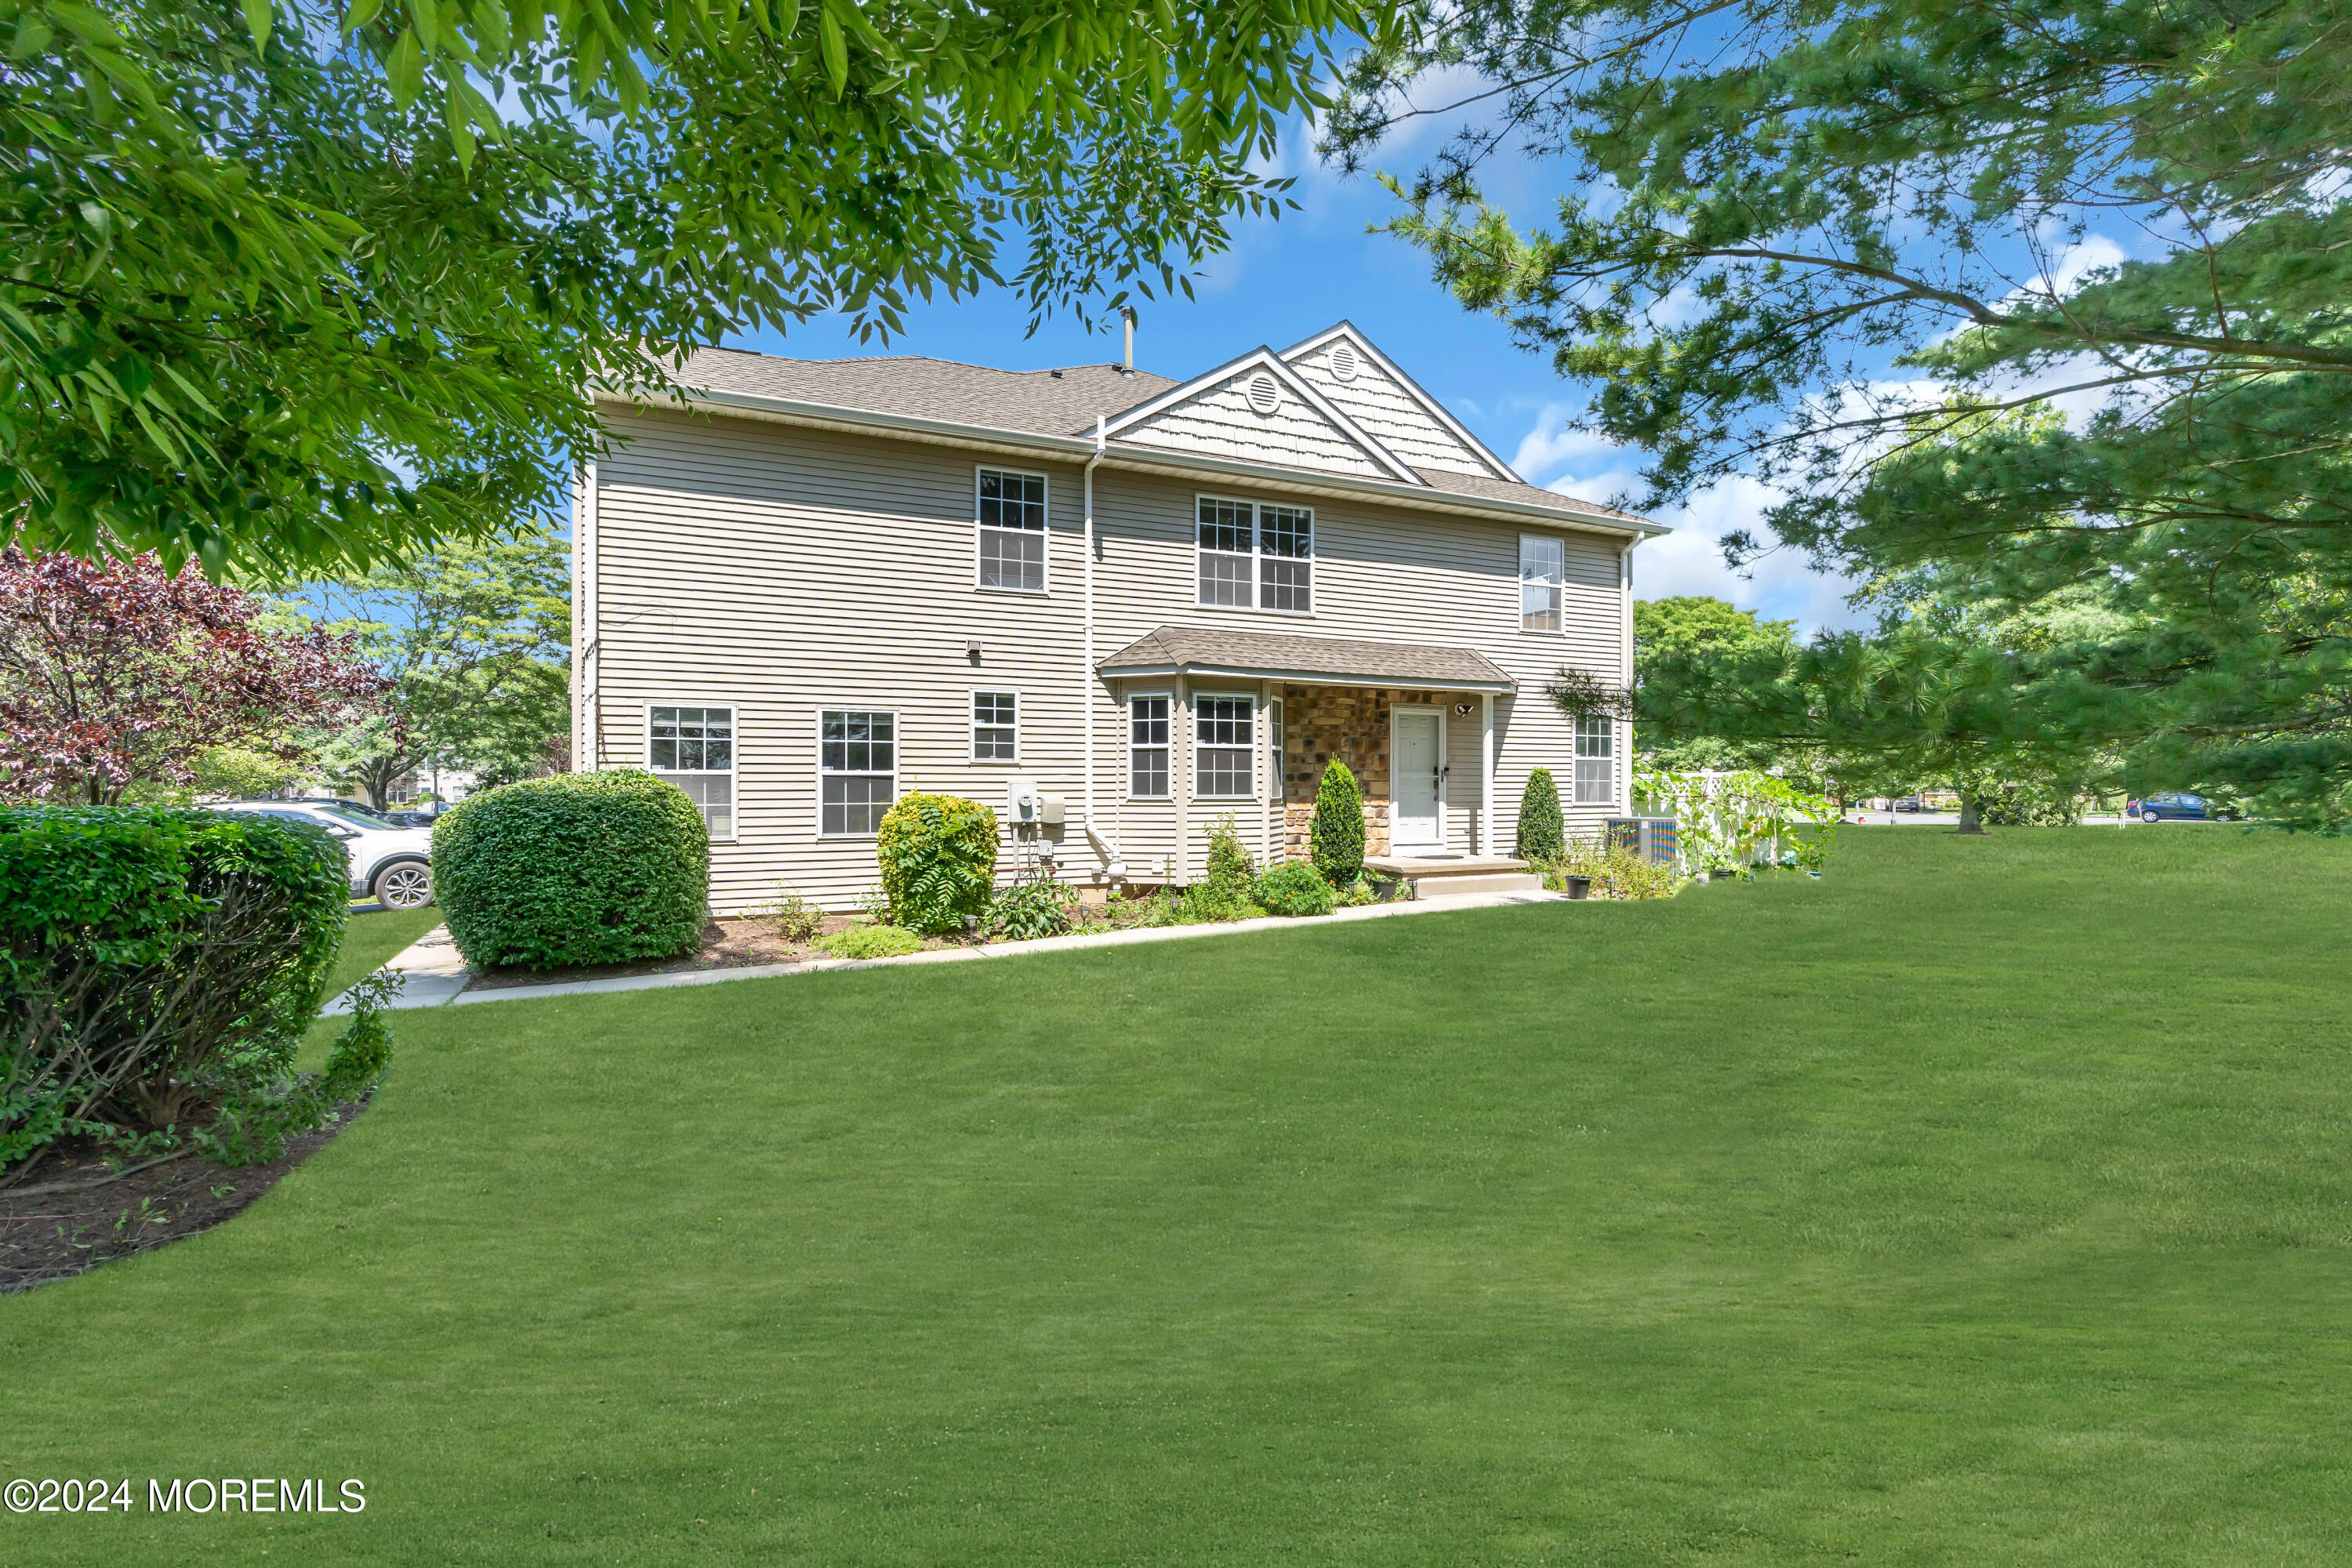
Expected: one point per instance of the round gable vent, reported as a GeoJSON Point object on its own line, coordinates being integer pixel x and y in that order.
{"type": "Point", "coordinates": [1343, 363]}
{"type": "Point", "coordinates": [1265, 393]}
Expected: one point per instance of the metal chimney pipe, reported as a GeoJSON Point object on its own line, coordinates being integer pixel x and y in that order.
{"type": "Point", "coordinates": [1128, 363]}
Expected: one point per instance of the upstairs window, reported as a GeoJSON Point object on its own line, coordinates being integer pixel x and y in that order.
{"type": "Point", "coordinates": [1222, 749]}
{"type": "Point", "coordinates": [694, 748]}
{"type": "Point", "coordinates": [995, 727]}
{"type": "Point", "coordinates": [1543, 576]}
{"type": "Point", "coordinates": [1596, 768]}
{"type": "Point", "coordinates": [1012, 531]}
{"type": "Point", "coordinates": [1147, 747]}
{"type": "Point", "coordinates": [857, 770]}
{"type": "Point", "coordinates": [1253, 556]}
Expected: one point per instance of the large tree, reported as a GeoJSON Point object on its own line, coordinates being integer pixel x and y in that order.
{"type": "Point", "coordinates": [123, 674]}
{"type": "Point", "coordinates": [1834, 244]}
{"type": "Point", "coordinates": [472, 642]}
{"type": "Point", "coordinates": [287, 284]}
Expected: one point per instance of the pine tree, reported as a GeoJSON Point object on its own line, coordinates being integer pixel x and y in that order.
{"type": "Point", "coordinates": [1542, 835]}
{"type": "Point", "coordinates": [1338, 837]}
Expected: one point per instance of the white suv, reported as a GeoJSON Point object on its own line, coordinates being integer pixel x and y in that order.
{"type": "Point", "coordinates": [392, 862]}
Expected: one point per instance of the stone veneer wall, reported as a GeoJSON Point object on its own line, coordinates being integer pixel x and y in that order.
{"type": "Point", "coordinates": [1351, 723]}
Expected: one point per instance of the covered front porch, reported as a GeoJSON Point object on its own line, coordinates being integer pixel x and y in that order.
{"type": "Point", "coordinates": [1417, 724]}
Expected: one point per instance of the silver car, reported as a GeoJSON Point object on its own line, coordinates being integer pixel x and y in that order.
{"type": "Point", "coordinates": [389, 862]}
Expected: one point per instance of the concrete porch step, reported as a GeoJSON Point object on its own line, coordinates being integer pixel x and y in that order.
{"type": "Point", "coordinates": [1456, 887]}
{"type": "Point", "coordinates": [1438, 875]}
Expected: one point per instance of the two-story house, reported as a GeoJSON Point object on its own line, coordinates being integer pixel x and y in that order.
{"type": "Point", "coordinates": [806, 587]}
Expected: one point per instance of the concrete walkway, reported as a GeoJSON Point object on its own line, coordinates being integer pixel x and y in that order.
{"type": "Point", "coordinates": [438, 975]}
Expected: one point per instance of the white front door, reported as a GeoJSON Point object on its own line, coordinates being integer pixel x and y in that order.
{"type": "Point", "coordinates": [1416, 783]}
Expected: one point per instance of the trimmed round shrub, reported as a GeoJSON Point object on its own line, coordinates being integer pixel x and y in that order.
{"type": "Point", "coordinates": [1337, 838]}
{"type": "Point", "coordinates": [579, 869]}
{"type": "Point", "coordinates": [158, 970]}
{"type": "Point", "coordinates": [1542, 835]}
{"type": "Point", "coordinates": [1296, 888]}
{"type": "Point", "coordinates": [938, 854]}
{"type": "Point", "coordinates": [872, 942]}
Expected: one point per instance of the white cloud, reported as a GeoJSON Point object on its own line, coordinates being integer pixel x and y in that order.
{"type": "Point", "coordinates": [1779, 586]}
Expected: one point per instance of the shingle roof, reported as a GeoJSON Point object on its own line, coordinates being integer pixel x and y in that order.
{"type": "Point", "coordinates": [1335, 658]}
{"type": "Point", "coordinates": [1033, 402]}
{"type": "Point", "coordinates": [1040, 401]}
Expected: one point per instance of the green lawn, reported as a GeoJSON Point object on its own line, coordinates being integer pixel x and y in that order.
{"type": "Point", "coordinates": [1985, 1203]}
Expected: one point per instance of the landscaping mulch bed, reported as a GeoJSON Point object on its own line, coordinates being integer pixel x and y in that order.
{"type": "Point", "coordinates": [741, 942]}
{"type": "Point", "coordinates": [47, 1235]}
{"type": "Point", "coordinates": [726, 944]}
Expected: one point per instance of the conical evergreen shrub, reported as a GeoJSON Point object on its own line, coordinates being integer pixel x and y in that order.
{"type": "Point", "coordinates": [1542, 835]}
{"type": "Point", "coordinates": [1337, 840]}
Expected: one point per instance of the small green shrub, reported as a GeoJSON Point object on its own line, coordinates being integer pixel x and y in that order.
{"type": "Point", "coordinates": [1296, 888]}
{"type": "Point", "coordinates": [1224, 894]}
{"type": "Point", "coordinates": [939, 861]}
{"type": "Point", "coordinates": [158, 971]}
{"type": "Point", "coordinates": [794, 918]}
{"type": "Point", "coordinates": [1337, 837]}
{"type": "Point", "coordinates": [1542, 834]}
{"type": "Point", "coordinates": [872, 942]}
{"type": "Point", "coordinates": [578, 868]}
{"type": "Point", "coordinates": [1354, 894]}
{"type": "Point", "coordinates": [1031, 911]}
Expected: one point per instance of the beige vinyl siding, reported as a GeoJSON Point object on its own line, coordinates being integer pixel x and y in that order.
{"type": "Point", "coordinates": [784, 570]}
{"type": "Point", "coordinates": [1387, 413]}
{"type": "Point", "coordinates": [1221, 421]}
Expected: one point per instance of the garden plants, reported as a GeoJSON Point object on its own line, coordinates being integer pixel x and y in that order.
{"type": "Point", "coordinates": [1542, 834]}
{"type": "Point", "coordinates": [871, 942]}
{"type": "Point", "coordinates": [1296, 888]}
{"type": "Point", "coordinates": [1031, 910]}
{"type": "Point", "coordinates": [938, 854]}
{"type": "Point", "coordinates": [1337, 837]}
{"type": "Point", "coordinates": [598, 867]}
{"type": "Point", "coordinates": [1224, 894]}
{"type": "Point", "coordinates": [158, 972]}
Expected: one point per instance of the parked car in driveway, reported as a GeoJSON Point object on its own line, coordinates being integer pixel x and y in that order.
{"type": "Point", "coordinates": [1910, 803]}
{"type": "Point", "coordinates": [389, 862]}
{"type": "Point", "coordinates": [2174, 808]}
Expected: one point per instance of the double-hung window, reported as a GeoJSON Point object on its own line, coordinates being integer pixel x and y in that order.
{"type": "Point", "coordinates": [1543, 577]}
{"type": "Point", "coordinates": [1222, 749]}
{"type": "Point", "coordinates": [1256, 556]}
{"type": "Point", "coordinates": [1012, 531]}
{"type": "Point", "coordinates": [1596, 763]}
{"type": "Point", "coordinates": [857, 770]}
{"type": "Point", "coordinates": [995, 727]}
{"type": "Point", "coordinates": [694, 748]}
{"type": "Point", "coordinates": [1147, 747]}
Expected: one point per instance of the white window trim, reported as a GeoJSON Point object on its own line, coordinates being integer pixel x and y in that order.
{"type": "Point", "coordinates": [897, 740]}
{"type": "Point", "coordinates": [1256, 748]}
{"type": "Point", "coordinates": [1127, 722]}
{"type": "Point", "coordinates": [1256, 556]}
{"type": "Point", "coordinates": [972, 727]}
{"type": "Point", "coordinates": [734, 756]}
{"type": "Point", "coordinates": [1616, 773]}
{"type": "Point", "coordinates": [1519, 591]}
{"type": "Point", "coordinates": [1045, 533]}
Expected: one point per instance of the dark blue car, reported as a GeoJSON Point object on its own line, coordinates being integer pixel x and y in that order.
{"type": "Point", "coordinates": [2174, 808]}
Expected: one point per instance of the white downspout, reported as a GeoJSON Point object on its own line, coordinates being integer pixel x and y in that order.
{"type": "Point", "coordinates": [1114, 865]}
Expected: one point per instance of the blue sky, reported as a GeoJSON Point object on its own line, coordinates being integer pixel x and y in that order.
{"type": "Point", "coordinates": [1285, 279]}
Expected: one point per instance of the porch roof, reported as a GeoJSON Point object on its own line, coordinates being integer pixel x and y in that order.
{"type": "Point", "coordinates": [1327, 661]}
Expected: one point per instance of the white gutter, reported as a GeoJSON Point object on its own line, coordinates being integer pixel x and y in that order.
{"type": "Point", "coordinates": [1114, 865]}
{"type": "Point", "coordinates": [1077, 448]}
